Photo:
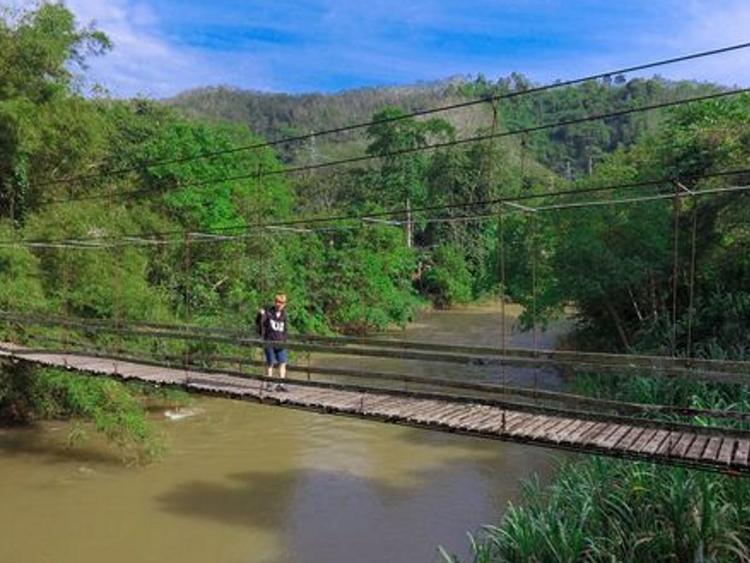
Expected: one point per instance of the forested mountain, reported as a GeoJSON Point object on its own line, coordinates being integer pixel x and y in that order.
{"type": "Point", "coordinates": [274, 115]}
{"type": "Point", "coordinates": [571, 151]}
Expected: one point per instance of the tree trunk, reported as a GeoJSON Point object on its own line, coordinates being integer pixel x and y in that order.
{"type": "Point", "coordinates": [618, 324]}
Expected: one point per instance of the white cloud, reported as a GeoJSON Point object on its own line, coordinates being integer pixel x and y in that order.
{"type": "Point", "coordinates": [142, 61]}
{"type": "Point", "coordinates": [327, 43]}
{"type": "Point", "coordinates": [709, 24]}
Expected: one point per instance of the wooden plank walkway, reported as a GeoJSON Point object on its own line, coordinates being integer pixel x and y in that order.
{"type": "Point", "coordinates": [693, 448]}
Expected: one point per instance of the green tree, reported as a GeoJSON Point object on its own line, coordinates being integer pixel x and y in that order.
{"type": "Point", "coordinates": [402, 172]}
{"type": "Point", "coordinates": [41, 119]}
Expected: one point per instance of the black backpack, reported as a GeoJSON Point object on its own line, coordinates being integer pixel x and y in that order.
{"type": "Point", "coordinates": [260, 323]}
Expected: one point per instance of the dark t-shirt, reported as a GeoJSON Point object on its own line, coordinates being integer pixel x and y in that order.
{"type": "Point", "coordinates": [271, 326]}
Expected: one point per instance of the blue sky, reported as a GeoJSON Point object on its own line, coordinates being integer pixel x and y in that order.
{"type": "Point", "coordinates": [166, 46]}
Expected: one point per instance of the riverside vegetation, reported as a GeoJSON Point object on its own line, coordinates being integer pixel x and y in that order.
{"type": "Point", "coordinates": [614, 264]}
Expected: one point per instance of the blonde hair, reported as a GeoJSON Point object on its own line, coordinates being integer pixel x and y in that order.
{"type": "Point", "coordinates": [280, 297]}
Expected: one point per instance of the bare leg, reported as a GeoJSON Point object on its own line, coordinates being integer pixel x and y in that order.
{"type": "Point", "coordinates": [282, 371]}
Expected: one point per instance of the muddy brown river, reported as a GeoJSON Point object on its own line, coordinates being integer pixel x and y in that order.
{"type": "Point", "coordinates": [242, 482]}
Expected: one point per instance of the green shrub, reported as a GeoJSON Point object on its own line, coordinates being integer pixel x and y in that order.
{"type": "Point", "coordinates": [114, 409]}
{"type": "Point", "coordinates": [448, 280]}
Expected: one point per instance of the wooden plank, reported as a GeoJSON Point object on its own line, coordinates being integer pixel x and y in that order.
{"type": "Point", "coordinates": [602, 434]}
{"type": "Point", "coordinates": [644, 439]}
{"type": "Point", "coordinates": [373, 402]}
{"type": "Point", "coordinates": [89, 364]}
{"type": "Point", "coordinates": [696, 449]}
{"type": "Point", "coordinates": [409, 404]}
{"type": "Point", "coordinates": [340, 403]}
{"type": "Point", "coordinates": [99, 366]}
{"type": "Point", "coordinates": [574, 436]}
{"type": "Point", "coordinates": [442, 416]}
{"type": "Point", "coordinates": [350, 405]}
{"type": "Point", "coordinates": [540, 423]}
{"type": "Point", "coordinates": [712, 449]}
{"type": "Point", "coordinates": [561, 425]}
{"type": "Point", "coordinates": [669, 443]}
{"type": "Point", "coordinates": [325, 397]}
{"type": "Point", "coordinates": [594, 431]}
{"type": "Point", "coordinates": [531, 424]}
{"type": "Point", "coordinates": [487, 422]}
{"type": "Point", "coordinates": [425, 410]}
{"type": "Point", "coordinates": [331, 401]}
{"type": "Point", "coordinates": [392, 408]}
{"type": "Point", "coordinates": [627, 441]}
{"type": "Point", "coordinates": [609, 441]}
{"type": "Point", "coordinates": [558, 435]}
{"type": "Point", "coordinates": [407, 413]}
{"type": "Point", "coordinates": [741, 453]}
{"type": "Point", "coordinates": [302, 397]}
{"type": "Point", "coordinates": [683, 444]}
{"type": "Point", "coordinates": [543, 431]}
{"type": "Point", "coordinates": [470, 413]}
{"type": "Point", "coordinates": [430, 414]}
{"type": "Point", "coordinates": [727, 449]}
{"type": "Point", "coordinates": [512, 419]}
{"type": "Point", "coordinates": [524, 420]}
{"type": "Point", "coordinates": [457, 421]}
{"type": "Point", "coordinates": [447, 414]}
{"type": "Point", "coordinates": [395, 407]}
{"type": "Point", "coordinates": [118, 369]}
{"type": "Point", "coordinates": [483, 414]}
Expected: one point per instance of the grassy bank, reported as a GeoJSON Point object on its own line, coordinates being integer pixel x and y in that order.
{"type": "Point", "coordinates": [600, 509]}
{"type": "Point", "coordinates": [610, 510]}
{"type": "Point", "coordinates": [116, 410]}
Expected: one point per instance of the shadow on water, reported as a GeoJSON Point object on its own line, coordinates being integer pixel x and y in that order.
{"type": "Point", "coordinates": [242, 501]}
{"type": "Point", "coordinates": [330, 509]}
{"type": "Point", "coordinates": [318, 515]}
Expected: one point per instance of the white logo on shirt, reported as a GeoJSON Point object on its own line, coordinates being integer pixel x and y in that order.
{"type": "Point", "coordinates": [277, 326]}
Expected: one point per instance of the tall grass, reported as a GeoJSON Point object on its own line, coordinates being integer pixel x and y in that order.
{"type": "Point", "coordinates": [611, 510]}
{"type": "Point", "coordinates": [600, 509]}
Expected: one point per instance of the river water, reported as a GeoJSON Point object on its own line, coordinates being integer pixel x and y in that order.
{"type": "Point", "coordinates": [243, 482]}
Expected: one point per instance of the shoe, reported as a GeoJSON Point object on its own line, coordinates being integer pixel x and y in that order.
{"type": "Point", "coordinates": [280, 387]}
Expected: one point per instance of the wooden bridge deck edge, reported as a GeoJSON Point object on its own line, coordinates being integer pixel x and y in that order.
{"type": "Point", "coordinates": [688, 449]}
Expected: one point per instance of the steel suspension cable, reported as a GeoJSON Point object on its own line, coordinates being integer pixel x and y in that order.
{"type": "Point", "coordinates": [118, 264]}
{"type": "Point", "coordinates": [691, 288]}
{"type": "Point", "coordinates": [188, 297]}
{"type": "Point", "coordinates": [503, 340]}
{"type": "Point", "coordinates": [509, 200]}
{"type": "Point", "coordinates": [66, 294]}
{"type": "Point", "coordinates": [507, 204]}
{"type": "Point", "coordinates": [535, 247]}
{"type": "Point", "coordinates": [675, 264]}
{"type": "Point", "coordinates": [418, 149]}
{"type": "Point", "coordinates": [418, 113]}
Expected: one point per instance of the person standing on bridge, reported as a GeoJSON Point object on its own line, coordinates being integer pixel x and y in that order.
{"type": "Point", "coordinates": [272, 326]}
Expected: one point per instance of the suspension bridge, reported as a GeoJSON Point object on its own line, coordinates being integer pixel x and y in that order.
{"type": "Point", "coordinates": [491, 410]}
